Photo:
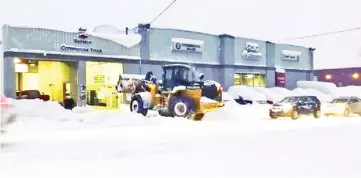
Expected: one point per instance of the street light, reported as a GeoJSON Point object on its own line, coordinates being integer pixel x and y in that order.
{"type": "Point", "coordinates": [328, 77]}
{"type": "Point", "coordinates": [355, 75]}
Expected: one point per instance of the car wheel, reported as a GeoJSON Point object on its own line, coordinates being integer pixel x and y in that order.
{"type": "Point", "coordinates": [273, 117]}
{"type": "Point", "coordinates": [136, 105]}
{"type": "Point", "coordinates": [181, 106]}
{"type": "Point", "coordinates": [346, 113]}
{"type": "Point", "coordinates": [317, 114]}
{"type": "Point", "coordinates": [294, 115]}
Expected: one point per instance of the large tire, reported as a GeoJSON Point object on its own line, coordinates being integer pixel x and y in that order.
{"type": "Point", "coordinates": [273, 117]}
{"type": "Point", "coordinates": [181, 106]}
{"type": "Point", "coordinates": [136, 105]}
{"type": "Point", "coordinates": [294, 114]}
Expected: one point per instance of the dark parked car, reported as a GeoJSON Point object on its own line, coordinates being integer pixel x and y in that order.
{"type": "Point", "coordinates": [295, 106]}
{"type": "Point", "coordinates": [32, 94]}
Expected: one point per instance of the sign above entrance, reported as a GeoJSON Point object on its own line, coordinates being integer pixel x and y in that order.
{"type": "Point", "coordinates": [291, 55]}
{"type": "Point", "coordinates": [65, 47]}
{"type": "Point", "coordinates": [82, 38]}
{"type": "Point", "coordinates": [251, 51]}
{"type": "Point", "coordinates": [189, 45]}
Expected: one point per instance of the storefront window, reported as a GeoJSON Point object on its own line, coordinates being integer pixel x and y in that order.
{"type": "Point", "coordinates": [251, 80]}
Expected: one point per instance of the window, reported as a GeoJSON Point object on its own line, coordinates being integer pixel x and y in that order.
{"type": "Point", "coordinates": [249, 79]}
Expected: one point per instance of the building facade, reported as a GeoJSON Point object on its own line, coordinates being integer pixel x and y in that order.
{"type": "Point", "coordinates": [73, 59]}
{"type": "Point", "coordinates": [340, 77]}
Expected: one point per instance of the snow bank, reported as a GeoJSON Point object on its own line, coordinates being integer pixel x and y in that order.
{"type": "Point", "coordinates": [281, 91]}
{"type": "Point", "coordinates": [347, 91]}
{"type": "Point", "coordinates": [40, 108]}
{"type": "Point", "coordinates": [271, 96]}
{"type": "Point", "coordinates": [325, 87]}
{"type": "Point", "coordinates": [300, 92]}
{"type": "Point", "coordinates": [247, 93]}
{"type": "Point", "coordinates": [321, 96]}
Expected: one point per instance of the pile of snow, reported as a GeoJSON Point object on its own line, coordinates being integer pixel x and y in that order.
{"type": "Point", "coordinates": [347, 91]}
{"type": "Point", "coordinates": [325, 87]}
{"type": "Point", "coordinates": [246, 93]}
{"type": "Point", "coordinates": [271, 96]}
{"type": "Point", "coordinates": [281, 91]}
{"type": "Point", "coordinates": [40, 108]}
{"type": "Point", "coordinates": [227, 97]}
{"type": "Point", "coordinates": [300, 92]}
{"type": "Point", "coordinates": [321, 96]}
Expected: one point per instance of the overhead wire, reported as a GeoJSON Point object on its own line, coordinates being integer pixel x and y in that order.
{"type": "Point", "coordinates": [164, 10]}
{"type": "Point", "coordinates": [323, 34]}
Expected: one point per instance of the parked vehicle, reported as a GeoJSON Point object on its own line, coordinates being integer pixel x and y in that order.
{"type": "Point", "coordinates": [32, 94]}
{"type": "Point", "coordinates": [294, 106]}
{"type": "Point", "coordinates": [8, 114]}
{"type": "Point", "coordinates": [343, 106]}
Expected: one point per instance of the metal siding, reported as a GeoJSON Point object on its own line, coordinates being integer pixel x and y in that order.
{"type": "Point", "coordinates": [305, 62]}
{"type": "Point", "coordinates": [239, 47]}
{"type": "Point", "coordinates": [340, 76]}
{"type": "Point", "coordinates": [51, 41]}
{"type": "Point", "coordinates": [160, 42]}
{"type": "Point", "coordinates": [293, 76]}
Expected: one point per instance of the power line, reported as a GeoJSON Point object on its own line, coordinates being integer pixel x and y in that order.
{"type": "Point", "coordinates": [323, 34]}
{"type": "Point", "coordinates": [160, 14]}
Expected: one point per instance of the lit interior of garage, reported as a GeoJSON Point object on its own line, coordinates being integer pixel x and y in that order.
{"type": "Point", "coordinates": [101, 79]}
{"type": "Point", "coordinates": [53, 78]}
{"type": "Point", "coordinates": [250, 79]}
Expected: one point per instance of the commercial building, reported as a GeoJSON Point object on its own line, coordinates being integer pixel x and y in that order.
{"type": "Point", "coordinates": [340, 76]}
{"type": "Point", "coordinates": [57, 62]}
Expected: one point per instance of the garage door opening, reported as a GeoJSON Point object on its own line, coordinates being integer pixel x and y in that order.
{"type": "Point", "coordinates": [53, 79]}
{"type": "Point", "coordinates": [101, 79]}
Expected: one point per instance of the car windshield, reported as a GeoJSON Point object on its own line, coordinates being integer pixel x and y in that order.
{"type": "Point", "coordinates": [340, 100]}
{"type": "Point", "coordinates": [289, 100]}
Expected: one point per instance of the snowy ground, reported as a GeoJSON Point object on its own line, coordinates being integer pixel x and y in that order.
{"type": "Point", "coordinates": [235, 141]}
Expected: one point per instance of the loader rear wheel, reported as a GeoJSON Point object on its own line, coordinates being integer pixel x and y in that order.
{"type": "Point", "coordinates": [136, 105]}
{"type": "Point", "coordinates": [181, 106]}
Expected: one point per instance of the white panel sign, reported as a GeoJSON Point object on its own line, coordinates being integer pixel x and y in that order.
{"type": "Point", "coordinates": [291, 55]}
{"type": "Point", "coordinates": [181, 44]}
{"type": "Point", "coordinates": [251, 52]}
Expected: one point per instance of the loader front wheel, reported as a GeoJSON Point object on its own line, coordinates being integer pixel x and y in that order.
{"type": "Point", "coordinates": [136, 105]}
{"type": "Point", "coordinates": [181, 106]}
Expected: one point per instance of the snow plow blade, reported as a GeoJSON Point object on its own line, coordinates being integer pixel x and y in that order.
{"type": "Point", "coordinates": [205, 107]}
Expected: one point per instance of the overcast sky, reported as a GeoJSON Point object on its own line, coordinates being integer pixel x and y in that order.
{"type": "Point", "coordinates": [271, 20]}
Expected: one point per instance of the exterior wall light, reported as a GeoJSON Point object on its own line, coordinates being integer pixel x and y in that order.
{"type": "Point", "coordinates": [355, 75]}
{"type": "Point", "coordinates": [17, 60]}
{"type": "Point", "coordinates": [328, 77]}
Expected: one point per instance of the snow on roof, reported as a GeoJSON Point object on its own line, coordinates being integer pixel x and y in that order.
{"type": "Point", "coordinates": [280, 70]}
{"type": "Point", "coordinates": [106, 32]}
{"type": "Point", "coordinates": [177, 65]}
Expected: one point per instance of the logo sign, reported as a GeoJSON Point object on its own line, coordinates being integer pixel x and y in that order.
{"type": "Point", "coordinates": [188, 45]}
{"type": "Point", "coordinates": [291, 55]}
{"type": "Point", "coordinates": [99, 79]}
{"type": "Point", "coordinates": [251, 52]}
{"type": "Point", "coordinates": [82, 39]}
{"type": "Point", "coordinates": [280, 78]}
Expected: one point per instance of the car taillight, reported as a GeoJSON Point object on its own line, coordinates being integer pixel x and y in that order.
{"type": "Point", "coordinates": [219, 89]}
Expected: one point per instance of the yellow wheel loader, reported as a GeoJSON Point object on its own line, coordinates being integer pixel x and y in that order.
{"type": "Point", "coordinates": [178, 95]}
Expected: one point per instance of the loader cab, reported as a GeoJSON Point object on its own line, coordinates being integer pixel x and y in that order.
{"type": "Point", "coordinates": [179, 74]}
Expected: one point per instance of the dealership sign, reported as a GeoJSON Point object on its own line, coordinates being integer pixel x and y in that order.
{"type": "Point", "coordinates": [82, 39]}
{"type": "Point", "coordinates": [291, 55]}
{"type": "Point", "coordinates": [188, 45]}
{"type": "Point", "coordinates": [251, 52]}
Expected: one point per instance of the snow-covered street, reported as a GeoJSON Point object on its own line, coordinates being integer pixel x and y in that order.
{"type": "Point", "coordinates": [235, 141]}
